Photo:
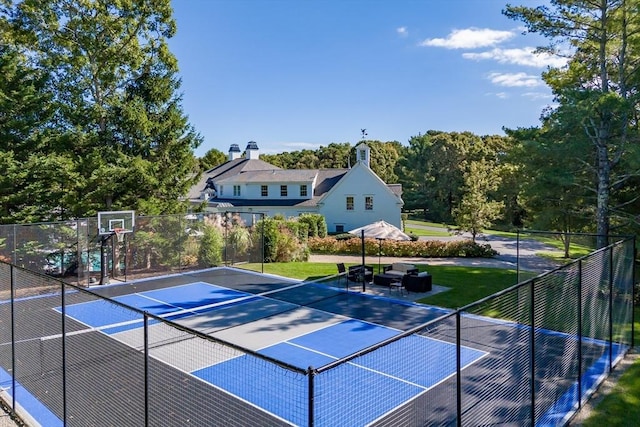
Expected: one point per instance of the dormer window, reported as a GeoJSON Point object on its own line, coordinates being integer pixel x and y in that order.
{"type": "Point", "coordinates": [283, 191]}
{"type": "Point", "coordinates": [264, 191]}
{"type": "Point", "coordinates": [303, 190]}
{"type": "Point", "coordinates": [236, 191]}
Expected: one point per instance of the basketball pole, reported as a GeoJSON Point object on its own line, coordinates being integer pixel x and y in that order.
{"type": "Point", "coordinates": [104, 257]}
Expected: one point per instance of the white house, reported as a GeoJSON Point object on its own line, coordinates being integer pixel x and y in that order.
{"type": "Point", "coordinates": [347, 198]}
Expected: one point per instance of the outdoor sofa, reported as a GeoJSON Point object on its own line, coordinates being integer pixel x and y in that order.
{"type": "Point", "coordinates": [400, 269]}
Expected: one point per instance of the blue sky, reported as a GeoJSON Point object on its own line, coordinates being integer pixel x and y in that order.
{"type": "Point", "coordinates": [295, 74]}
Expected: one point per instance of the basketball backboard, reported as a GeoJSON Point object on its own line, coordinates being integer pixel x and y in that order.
{"type": "Point", "coordinates": [110, 221]}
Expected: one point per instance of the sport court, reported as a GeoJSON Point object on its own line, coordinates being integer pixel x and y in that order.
{"type": "Point", "coordinates": [300, 325]}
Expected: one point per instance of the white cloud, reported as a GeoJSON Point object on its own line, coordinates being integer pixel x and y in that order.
{"type": "Point", "coordinates": [470, 38]}
{"type": "Point", "coordinates": [515, 79]}
{"type": "Point", "coordinates": [537, 95]}
{"type": "Point", "coordinates": [402, 31]}
{"type": "Point", "coordinates": [520, 56]}
{"type": "Point", "coordinates": [299, 145]}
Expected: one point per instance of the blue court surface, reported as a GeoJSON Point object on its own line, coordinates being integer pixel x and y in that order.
{"type": "Point", "coordinates": [242, 377]}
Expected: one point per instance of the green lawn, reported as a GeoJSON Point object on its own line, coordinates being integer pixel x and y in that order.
{"type": "Point", "coordinates": [426, 232]}
{"type": "Point", "coordinates": [469, 284]}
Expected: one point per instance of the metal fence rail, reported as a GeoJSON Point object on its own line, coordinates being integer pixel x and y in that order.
{"type": "Point", "coordinates": [545, 345]}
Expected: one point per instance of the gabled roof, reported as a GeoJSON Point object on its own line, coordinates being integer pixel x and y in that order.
{"type": "Point", "coordinates": [227, 169]}
{"type": "Point", "coordinates": [395, 189]}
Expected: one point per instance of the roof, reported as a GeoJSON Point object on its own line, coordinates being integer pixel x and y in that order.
{"type": "Point", "coordinates": [395, 189]}
{"type": "Point", "coordinates": [228, 169]}
{"type": "Point", "coordinates": [273, 175]}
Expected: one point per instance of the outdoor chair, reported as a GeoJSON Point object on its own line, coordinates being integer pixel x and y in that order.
{"type": "Point", "coordinates": [342, 271]}
{"type": "Point", "coordinates": [356, 274]}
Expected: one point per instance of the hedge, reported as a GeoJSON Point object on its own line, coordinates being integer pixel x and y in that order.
{"type": "Point", "coordinates": [420, 248]}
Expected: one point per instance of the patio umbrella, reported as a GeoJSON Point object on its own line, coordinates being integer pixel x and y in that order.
{"type": "Point", "coordinates": [380, 230]}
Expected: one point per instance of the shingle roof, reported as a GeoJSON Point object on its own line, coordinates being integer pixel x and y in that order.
{"type": "Point", "coordinates": [273, 175]}
{"type": "Point", "coordinates": [227, 169]}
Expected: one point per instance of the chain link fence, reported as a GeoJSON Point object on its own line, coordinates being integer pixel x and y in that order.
{"type": "Point", "coordinates": [529, 355]}
{"type": "Point", "coordinates": [75, 252]}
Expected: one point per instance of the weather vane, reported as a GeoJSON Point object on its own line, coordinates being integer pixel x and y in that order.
{"type": "Point", "coordinates": [364, 133]}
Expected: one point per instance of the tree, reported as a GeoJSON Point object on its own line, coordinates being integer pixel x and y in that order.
{"type": "Point", "coordinates": [114, 82]}
{"type": "Point", "coordinates": [384, 158]}
{"type": "Point", "coordinates": [433, 167]}
{"type": "Point", "coordinates": [476, 211]}
{"type": "Point", "coordinates": [36, 175]}
{"type": "Point", "coordinates": [211, 159]}
{"type": "Point", "coordinates": [596, 91]}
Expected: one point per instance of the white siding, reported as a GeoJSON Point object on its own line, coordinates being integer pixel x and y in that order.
{"type": "Point", "coordinates": [360, 182]}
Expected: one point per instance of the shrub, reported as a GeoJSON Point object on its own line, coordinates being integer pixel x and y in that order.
{"type": "Point", "coordinates": [282, 240]}
{"type": "Point", "coordinates": [420, 248]}
{"type": "Point", "coordinates": [211, 245]}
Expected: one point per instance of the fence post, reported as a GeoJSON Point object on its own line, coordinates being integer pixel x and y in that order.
{"type": "Point", "coordinates": [518, 256]}
{"type": "Point", "coordinates": [458, 370]}
{"type": "Point", "coordinates": [633, 290]}
{"type": "Point", "coordinates": [146, 367]}
{"type": "Point", "coordinates": [580, 337]}
{"type": "Point", "coordinates": [311, 402]}
{"type": "Point", "coordinates": [64, 353]}
{"type": "Point", "coordinates": [13, 337]}
{"type": "Point", "coordinates": [610, 309]}
{"type": "Point", "coordinates": [532, 344]}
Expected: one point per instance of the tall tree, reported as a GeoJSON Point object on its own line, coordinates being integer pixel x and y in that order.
{"type": "Point", "coordinates": [116, 86]}
{"type": "Point", "coordinates": [597, 91]}
{"type": "Point", "coordinates": [35, 176]}
{"type": "Point", "coordinates": [477, 210]}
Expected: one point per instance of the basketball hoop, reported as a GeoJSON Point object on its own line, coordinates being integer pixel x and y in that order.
{"type": "Point", "coordinates": [119, 233]}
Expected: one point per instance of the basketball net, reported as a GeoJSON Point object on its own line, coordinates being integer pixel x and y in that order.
{"type": "Point", "coordinates": [119, 233]}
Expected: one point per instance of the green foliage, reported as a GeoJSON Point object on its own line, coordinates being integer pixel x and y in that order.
{"type": "Point", "coordinates": [433, 167]}
{"type": "Point", "coordinates": [110, 108]}
{"type": "Point", "coordinates": [316, 223]}
{"type": "Point", "coordinates": [476, 211]}
{"type": "Point", "coordinates": [211, 159]}
{"type": "Point", "coordinates": [282, 240]}
{"type": "Point", "coordinates": [596, 116]}
{"type": "Point", "coordinates": [420, 248]}
{"type": "Point", "coordinates": [211, 246]}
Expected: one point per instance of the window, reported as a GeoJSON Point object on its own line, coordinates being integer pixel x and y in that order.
{"type": "Point", "coordinates": [349, 203]}
{"type": "Point", "coordinates": [221, 190]}
{"type": "Point", "coordinates": [340, 228]}
{"type": "Point", "coordinates": [303, 190]}
{"type": "Point", "coordinates": [236, 190]}
{"type": "Point", "coordinates": [368, 203]}
{"type": "Point", "coordinates": [264, 190]}
{"type": "Point", "coordinates": [283, 191]}
{"type": "Point", "coordinates": [363, 155]}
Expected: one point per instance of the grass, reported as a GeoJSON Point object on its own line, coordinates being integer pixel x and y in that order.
{"type": "Point", "coordinates": [467, 284]}
{"type": "Point", "coordinates": [621, 407]}
{"type": "Point", "coordinates": [426, 232]}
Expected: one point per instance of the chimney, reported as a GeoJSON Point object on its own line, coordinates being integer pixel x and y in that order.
{"type": "Point", "coordinates": [234, 152]}
{"type": "Point", "coordinates": [252, 151]}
